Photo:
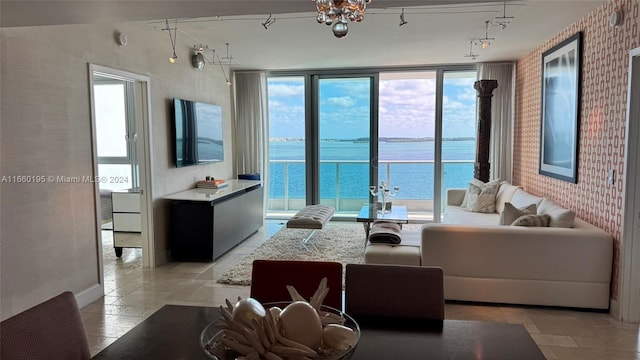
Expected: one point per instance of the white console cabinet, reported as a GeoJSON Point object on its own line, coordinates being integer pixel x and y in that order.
{"type": "Point", "coordinates": [127, 223]}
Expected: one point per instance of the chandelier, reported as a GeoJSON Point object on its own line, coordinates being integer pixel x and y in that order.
{"type": "Point", "coordinates": [337, 12]}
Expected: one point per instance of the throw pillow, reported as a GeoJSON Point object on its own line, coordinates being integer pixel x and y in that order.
{"type": "Point", "coordinates": [505, 193]}
{"type": "Point", "coordinates": [560, 217]}
{"type": "Point", "coordinates": [465, 199]}
{"type": "Point", "coordinates": [533, 220]}
{"type": "Point", "coordinates": [481, 197]}
{"type": "Point", "coordinates": [511, 213]}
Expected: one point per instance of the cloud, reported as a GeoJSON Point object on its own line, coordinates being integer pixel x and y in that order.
{"type": "Point", "coordinates": [458, 118]}
{"type": "Point", "coordinates": [406, 108]}
{"type": "Point", "coordinates": [286, 119]}
{"type": "Point", "coordinates": [285, 90]}
{"type": "Point", "coordinates": [342, 101]}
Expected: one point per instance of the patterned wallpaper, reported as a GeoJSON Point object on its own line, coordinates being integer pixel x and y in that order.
{"type": "Point", "coordinates": [605, 64]}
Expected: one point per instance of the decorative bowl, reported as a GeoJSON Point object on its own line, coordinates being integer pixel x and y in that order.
{"type": "Point", "coordinates": [210, 338]}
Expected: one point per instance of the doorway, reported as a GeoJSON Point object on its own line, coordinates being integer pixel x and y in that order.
{"type": "Point", "coordinates": [120, 119]}
{"type": "Point", "coordinates": [630, 247]}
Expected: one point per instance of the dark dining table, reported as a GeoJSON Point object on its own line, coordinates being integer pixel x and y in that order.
{"type": "Point", "coordinates": [173, 332]}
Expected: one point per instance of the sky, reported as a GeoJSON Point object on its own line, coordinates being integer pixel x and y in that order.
{"type": "Point", "coordinates": [406, 107]}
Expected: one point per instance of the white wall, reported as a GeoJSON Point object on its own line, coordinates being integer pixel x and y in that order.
{"type": "Point", "coordinates": [48, 232]}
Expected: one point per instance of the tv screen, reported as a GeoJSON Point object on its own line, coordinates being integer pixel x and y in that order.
{"type": "Point", "coordinates": [198, 133]}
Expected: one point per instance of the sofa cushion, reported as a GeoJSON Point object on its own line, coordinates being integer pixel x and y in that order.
{"type": "Point", "coordinates": [481, 197]}
{"type": "Point", "coordinates": [460, 216]}
{"type": "Point", "coordinates": [505, 193]}
{"type": "Point", "coordinates": [511, 213]}
{"type": "Point", "coordinates": [560, 217]}
{"type": "Point", "coordinates": [521, 199]}
{"type": "Point", "coordinates": [532, 220]}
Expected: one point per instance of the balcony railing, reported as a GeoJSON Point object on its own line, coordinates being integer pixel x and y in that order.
{"type": "Point", "coordinates": [345, 183]}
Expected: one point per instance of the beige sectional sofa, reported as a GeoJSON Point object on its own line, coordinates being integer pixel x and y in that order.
{"type": "Point", "coordinates": [565, 264]}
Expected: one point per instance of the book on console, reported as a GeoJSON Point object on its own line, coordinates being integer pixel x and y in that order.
{"type": "Point", "coordinates": [211, 184]}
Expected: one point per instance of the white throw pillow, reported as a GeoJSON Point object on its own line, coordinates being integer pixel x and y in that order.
{"type": "Point", "coordinates": [560, 217]}
{"type": "Point", "coordinates": [511, 213]}
{"type": "Point", "coordinates": [505, 193]}
{"type": "Point", "coordinates": [522, 199]}
{"type": "Point", "coordinates": [481, 197]}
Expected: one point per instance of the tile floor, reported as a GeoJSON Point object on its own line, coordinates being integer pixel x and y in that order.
{"type": "Point", "coordinates": [133, 293]}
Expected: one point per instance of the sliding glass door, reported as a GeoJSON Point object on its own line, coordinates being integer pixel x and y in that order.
{"type": "Point", "coordinates": [406, 137]}
{"type": "Point", "coordinates": [343, 141]}
{"type": "Point", "coordinates": [458, 129]}
{"type": "Point", "coordinates": [287, 144]}
{"type": "Point", "coordinates": [334, 136]}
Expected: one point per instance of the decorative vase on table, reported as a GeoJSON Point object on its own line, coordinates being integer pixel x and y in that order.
{"type": "Point", "coordinates": [385, 193]}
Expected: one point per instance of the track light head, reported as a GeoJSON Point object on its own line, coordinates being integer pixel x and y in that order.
{"type": "Point", "coordinates": [402, 20]}
{"type": "Point", "coordinates": [270, 20]}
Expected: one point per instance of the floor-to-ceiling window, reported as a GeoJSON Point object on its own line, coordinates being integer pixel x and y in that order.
{"type": "Point", "coordinates": [406, 123]}
{"type": "Point", "coordinates": [344, 131]}
{"type": "Point", "coordinates": [334, 136]}
{"type": "Point", "coordinates": [287, 181]}
{"type": "Point", "coordinates": [458, 129]}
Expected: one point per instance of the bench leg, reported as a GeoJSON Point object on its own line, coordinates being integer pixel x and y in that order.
{"type": "Point", "coordinates": [306, 239]}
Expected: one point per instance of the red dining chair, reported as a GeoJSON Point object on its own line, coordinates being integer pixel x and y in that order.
{"type": "Point", "coordinates": [50, 330]}
{"type": "Point", "coordinates": [269, 280]}
{"type": "Point", "coordinates": [394, 291]}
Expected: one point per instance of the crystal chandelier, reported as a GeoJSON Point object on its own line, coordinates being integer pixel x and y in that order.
{"type": "Point", "coordinates": [337, 12]}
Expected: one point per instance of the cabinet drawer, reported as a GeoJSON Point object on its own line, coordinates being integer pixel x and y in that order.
{"type": "Point", "coordinates": [127, 239]}
{"type": "Point", "coordinates": [126, 222]}
{"type": "Point", "coordinates": [126, 202]}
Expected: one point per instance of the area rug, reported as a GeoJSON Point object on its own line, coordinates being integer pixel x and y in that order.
{"type": "Point", "coordinates": [342, 242]}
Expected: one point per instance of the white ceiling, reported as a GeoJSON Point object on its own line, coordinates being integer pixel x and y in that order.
{"type": "Point", "coordinates": [438, 32]}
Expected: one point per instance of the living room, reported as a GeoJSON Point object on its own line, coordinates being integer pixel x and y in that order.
{"type": "Point", "coordinates": [49, 231]}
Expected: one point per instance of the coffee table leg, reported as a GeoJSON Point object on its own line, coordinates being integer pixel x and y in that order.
{"type": "Point", "coordinates": [367, 228]}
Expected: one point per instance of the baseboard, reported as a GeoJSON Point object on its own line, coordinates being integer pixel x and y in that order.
{"type": "Point", "coordinates": [89, 295]}
{"type": "Point", "coordinates": [162, 258]}
{"type": "Point", "coordinates": [614, 309]}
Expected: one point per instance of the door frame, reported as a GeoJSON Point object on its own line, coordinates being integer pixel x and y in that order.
{"type": "Point", "coordinates": [629, 296]}
{"type": "Point", "coordinates": [312, 133]}
{"type": "Point", "coordinates": [142, 92]}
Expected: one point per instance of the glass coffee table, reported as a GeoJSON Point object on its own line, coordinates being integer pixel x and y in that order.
{"type": "Point", "coordinates": [368, 214]}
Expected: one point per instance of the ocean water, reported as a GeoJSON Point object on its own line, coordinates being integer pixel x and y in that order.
{"type": "Point", "coordinates": [344, 168]}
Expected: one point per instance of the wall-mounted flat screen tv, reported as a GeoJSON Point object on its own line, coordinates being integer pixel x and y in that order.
{"type": "Point", "coordinates": [198, 133]}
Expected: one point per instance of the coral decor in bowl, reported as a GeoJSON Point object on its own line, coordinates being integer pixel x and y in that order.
{"type": "Point", "coordinates": [337, 339]}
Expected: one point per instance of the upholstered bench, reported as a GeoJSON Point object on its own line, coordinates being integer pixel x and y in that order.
{"type": "Point", "coordinates": [311, 217]}
{"type": "Point", "coordinates": [405, 253]}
